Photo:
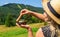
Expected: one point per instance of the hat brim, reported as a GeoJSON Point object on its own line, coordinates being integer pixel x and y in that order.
{"type": "Point", "coordinates": [45, 7]}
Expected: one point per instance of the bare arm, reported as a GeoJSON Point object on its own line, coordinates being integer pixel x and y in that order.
{"type": "Point", "coordinates": [39, 33]}
{"type": "Point", "coordinates": [30, 33]}
{"type": "Point", "coordinates": [25, 11]}
{"type": "Point", "coordinates": [38, 15]}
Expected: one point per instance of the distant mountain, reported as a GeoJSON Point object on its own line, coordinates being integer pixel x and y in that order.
{"type": "Point", "coordinates": [14, 9]}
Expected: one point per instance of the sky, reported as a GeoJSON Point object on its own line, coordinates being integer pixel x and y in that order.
{"type": "Point", "coordinates": [36, 3]}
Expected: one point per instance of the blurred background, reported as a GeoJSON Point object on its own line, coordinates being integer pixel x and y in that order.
{"type": "Point", "coordinates": [10, 10]}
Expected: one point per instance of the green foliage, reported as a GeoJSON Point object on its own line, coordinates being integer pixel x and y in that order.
{"type": "Point", "coordinates": [31, 19]}
{"type": "Point", "coordinates": [14, 9]}
{"type": "Point", "coordinates": [18, 31]}
{"type": "Point", "coordinates": [15, 32]}
{"type": "Point", "coordinates": [9, 20]}
{"type": "Point", "coordinates": [2, 21]}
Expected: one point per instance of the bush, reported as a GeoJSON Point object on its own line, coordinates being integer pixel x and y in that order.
{"type": "Point", "coordinates": [10, 21]}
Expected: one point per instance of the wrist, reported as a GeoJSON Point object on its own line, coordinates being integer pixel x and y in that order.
{"type": "Point", "coordinates": [31, 12]}
{"type": "Point", "coordinates": [29, 29]}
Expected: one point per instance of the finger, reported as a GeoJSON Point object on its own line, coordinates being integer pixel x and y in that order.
{"type": "Point", "coordinates": [23, 10]}
{"type": "Point", "coordinates": [17, 25]}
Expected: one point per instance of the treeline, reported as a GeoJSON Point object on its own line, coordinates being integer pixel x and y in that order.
{"type": "Point", "coordinates": [10, 12]}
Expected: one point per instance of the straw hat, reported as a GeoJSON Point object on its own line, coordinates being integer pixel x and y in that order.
{"type": "Point", "coordinates": [52, 8]}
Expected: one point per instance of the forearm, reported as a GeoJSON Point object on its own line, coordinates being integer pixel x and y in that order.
{"type": "Point", "coordinates": [38, 15]}
{"type": "Point", "coordinates": [30, 33]}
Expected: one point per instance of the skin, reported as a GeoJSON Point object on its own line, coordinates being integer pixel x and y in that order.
{"type": "Point", "coordinates": [39, 33]}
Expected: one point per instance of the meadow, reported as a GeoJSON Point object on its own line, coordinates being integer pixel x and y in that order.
{"type": "Point", "coordinates": [18, 31]}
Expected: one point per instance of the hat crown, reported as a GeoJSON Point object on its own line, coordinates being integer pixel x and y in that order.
{"type": "Point", "coordinates": [56, 5]}
{"type": "Point", "coordinates": [52, 8]}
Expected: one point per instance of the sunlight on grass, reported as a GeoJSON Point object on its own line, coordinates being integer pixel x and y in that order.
{"type": "Point", "coordinates": [18, 32]}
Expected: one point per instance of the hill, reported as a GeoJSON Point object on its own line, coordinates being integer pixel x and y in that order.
{"type": "Point", "coordinates": [14, 10]}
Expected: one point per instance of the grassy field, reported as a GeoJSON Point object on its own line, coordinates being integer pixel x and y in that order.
{"type": "Point", "coordinates": [18, 32]}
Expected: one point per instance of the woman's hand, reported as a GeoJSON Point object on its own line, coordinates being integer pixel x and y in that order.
{"type": "Point", "coordinates": [24, 11]}
{"type": "Point", "coordinates": [23, 26]}
{"type": "Point", "coordinates": [30, 33]}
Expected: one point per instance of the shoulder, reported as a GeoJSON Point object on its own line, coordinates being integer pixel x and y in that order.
{"type": "Point", "coordinates": [43, 31]}
{"type": "Point", "coordinates": [39, 33]}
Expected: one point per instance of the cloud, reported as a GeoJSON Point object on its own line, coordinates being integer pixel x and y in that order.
{"type": "Point", "coordinates": [5, 3]}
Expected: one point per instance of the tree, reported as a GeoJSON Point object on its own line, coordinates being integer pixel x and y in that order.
{"type": "Point", "coordinates": [9, 20]}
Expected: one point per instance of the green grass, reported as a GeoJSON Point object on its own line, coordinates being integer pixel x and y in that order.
{"type": "Point", "coordinates": [18, 32]}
